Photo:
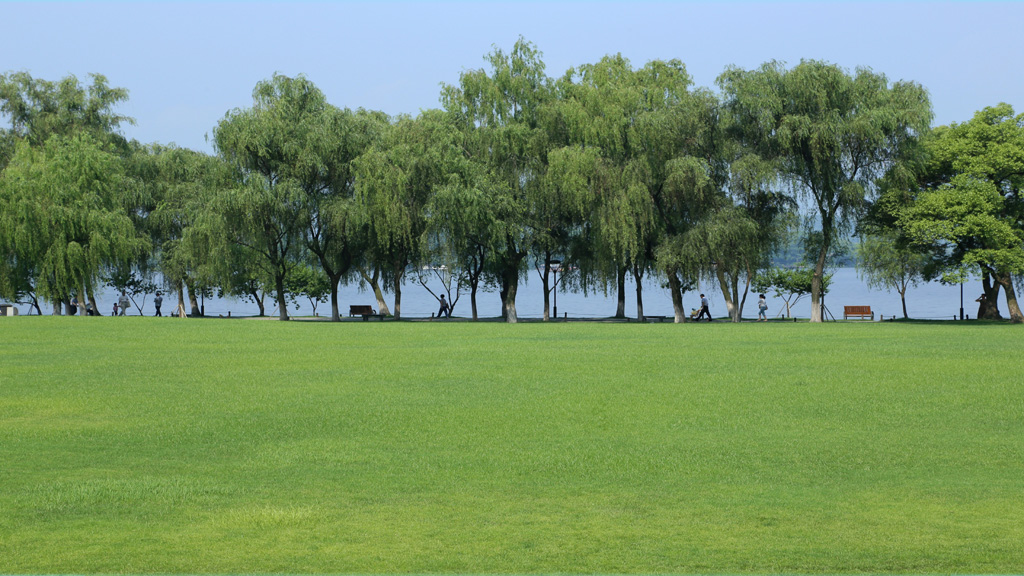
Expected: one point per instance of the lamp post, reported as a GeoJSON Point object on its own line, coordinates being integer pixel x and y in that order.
{"type": "Point", "coordinates": [557, 265]}
{"type": "Point", "coordinates": [961, 300]}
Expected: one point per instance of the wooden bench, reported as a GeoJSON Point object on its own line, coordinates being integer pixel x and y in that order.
{"type": "Point", "coordinates": [861, 312]}
{"type": "Point", "coordinates": [360, 310]}
{"type": "Point", "coordinates": [365, 311]}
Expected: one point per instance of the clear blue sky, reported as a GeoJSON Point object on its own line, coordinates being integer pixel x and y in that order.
{"type": "Point", "coordinates": [187, 63]}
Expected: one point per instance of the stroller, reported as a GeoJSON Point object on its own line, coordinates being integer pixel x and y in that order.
{"type": "Point", "coordinates": [693, 313]}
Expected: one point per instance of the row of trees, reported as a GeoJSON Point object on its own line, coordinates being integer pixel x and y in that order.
{"type": "Point", "coordinates": [607, 171]}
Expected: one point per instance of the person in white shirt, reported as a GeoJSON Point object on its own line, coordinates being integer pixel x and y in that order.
{"type": "Point", "coordinates": [704, 308]}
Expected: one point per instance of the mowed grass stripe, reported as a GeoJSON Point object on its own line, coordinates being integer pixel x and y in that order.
{"type": "Point", "coordinates": [164, 446]}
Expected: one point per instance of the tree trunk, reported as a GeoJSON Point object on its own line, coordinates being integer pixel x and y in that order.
{"type": "Point", "coordinates": [544, 281]}
{"type": "Point", "coordinates": [180, 288]}
{"type": "Point", "coordinates": [620, 305]}
{"type": "Point", "coordinates": [730, 294]}
{"type": "Point", "coordinates": [259, 302]}
{"type": "Point", "coordinates": [746, 290]}
{"type": "Point", "coordinates": [95, 305]}
{"type": "Point", "coordinates": [502, 292]}
{"type": "Point", "coordinates": [1011, 298]}
{"type": "Point", "coordinates": [399, 273]}
{"type": "Point", "coordinates": [282, 304]}
{"type": "Point", "coordinates": [193, 303]}
{"type": "Point", "coordinates": [474, 271]}
{"type": "Point", "coordinates": [638, 276]}
{"type": "Point", "coordinates": [335, 311]}
{"type": "Point", "coordinates": [509, 287]}
{"type": "Point", "coordinates": [819, 265]}
{"type": "Point", "coordinates": [903, 301]}
{"type": "Point", "coordinates": [988, 308]}
{"type": "Point", "coordinates": [675, 288]}
{"type": "Point", "coordinates": [374, 282]}
{"type": "Point", "coordinates": [509, 305]}
{"type": "Point", "coordinates": [819, 272]}
{"type": "Point", "coordinates": [472, 297]}
{"type": "Point", "coordinates": [737, 314]}
{"type": "Point", "coordinates": [136, 303]}
{"type": "Point", "coordinates": [333, 270]}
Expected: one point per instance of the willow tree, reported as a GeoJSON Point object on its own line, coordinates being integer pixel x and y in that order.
{"type": "Point", "coordinates": [724, 248]}
{"type": "Point", "coordinates": [500, 113]}
{"type": "Point", "coordinates": [655, 140]}
{"type": "Point", "coordinates": [275, 146]}
{"type": "Point", "coordinates": [739, 227]}
{"type": "Point", "coordinates": [558, 209]}
{"type": "Point", "coordinates": [599, 106]}
{"type": "Point", "coordinates": [64, 211]}
{"type": "Point", "coordinates": [832, 133]}
{"type": "Point", "coordinates": [38, 109]}
{"type": "Point", "coordinates": [681, 138]}
{"type": "Point", "coordinates": [334, 228]}
{"type": "Point", "coordinates": [182, 184]}
{"type": "Point", "coordinates": [395, 181]}
{"type": "Point", "coordinates": [460, 228]}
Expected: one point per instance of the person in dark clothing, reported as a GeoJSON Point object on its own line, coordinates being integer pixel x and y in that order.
{"type": "Point", "coordinates": [445, 309]}
{"type": "Point", "coordinates": [157, 302]}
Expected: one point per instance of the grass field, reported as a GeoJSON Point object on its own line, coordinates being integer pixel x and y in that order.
{"type": "Point", "coordinates": [141, 445]}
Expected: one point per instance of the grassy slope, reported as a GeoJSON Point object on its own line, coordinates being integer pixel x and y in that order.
{"type": "Point", "coordinates": [145, 445]}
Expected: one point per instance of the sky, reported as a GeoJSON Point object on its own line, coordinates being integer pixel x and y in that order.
{"type": "Point", "coordinates": [186, 64]}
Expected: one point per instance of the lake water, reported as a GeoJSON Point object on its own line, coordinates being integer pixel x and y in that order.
{"type": "Point", "coordinates": [927, 301]}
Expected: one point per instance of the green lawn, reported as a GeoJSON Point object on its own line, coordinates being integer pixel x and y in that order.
{"type": "Point", "coordinates": [142, 445]}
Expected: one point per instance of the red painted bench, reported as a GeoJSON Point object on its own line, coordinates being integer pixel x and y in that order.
{"type": "Point", "coordinates": [861, 312]}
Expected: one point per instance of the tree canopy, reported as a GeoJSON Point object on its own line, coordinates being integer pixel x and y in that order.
{"type": "Point", "coordinates": [833, 134]}
{"type": "Point", "coordinates": [966, 208]}
{"type": "Point", "coordinates": [606, 171]}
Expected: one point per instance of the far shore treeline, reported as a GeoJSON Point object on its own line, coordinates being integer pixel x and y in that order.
{"type": "Point", "coordinates": [602, 172]}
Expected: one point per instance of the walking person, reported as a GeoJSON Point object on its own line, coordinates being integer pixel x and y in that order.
{"type": "Point", "coordinates": [704, 308]}
{"type": "Point", "coordinates": [123, 303]}
{"type": "Point", "coordinates": [445, 309]}
{"type": "Point", "coordinates": [157, 302]}
{"type": "Point", "coordinates": [762, 307]}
